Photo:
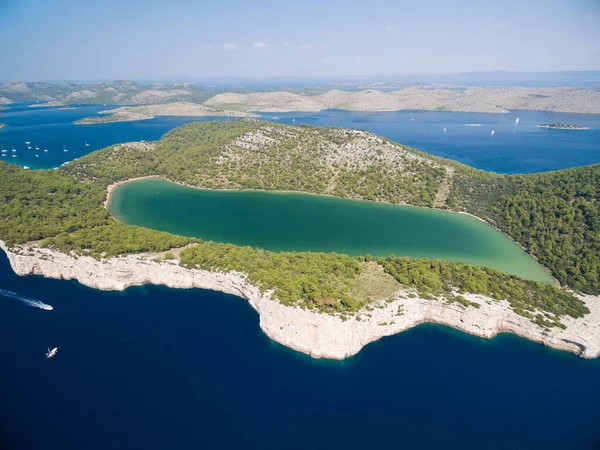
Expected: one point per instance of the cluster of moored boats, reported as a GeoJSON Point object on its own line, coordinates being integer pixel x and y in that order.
{"type": "Point", "coordinates": [5, 152]}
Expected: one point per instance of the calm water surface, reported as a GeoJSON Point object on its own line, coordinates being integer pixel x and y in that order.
{"type": "Point", "coordinates": [513, 149]}
{"type": "Point", "coordinates": [300, 222]}
{"type": "Point", "coordinates": [156, 368]}
{"type": "Point", "coordinates": [52, 129]}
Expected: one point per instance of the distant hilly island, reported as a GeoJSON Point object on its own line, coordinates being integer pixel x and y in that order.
{"type": "Point", "coordinates": [499, 92]}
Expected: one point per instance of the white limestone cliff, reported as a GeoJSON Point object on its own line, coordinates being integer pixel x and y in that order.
{"type": "Point", "coordinates": [316, 334]}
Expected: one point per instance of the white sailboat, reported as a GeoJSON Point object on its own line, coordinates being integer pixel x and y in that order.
{"type": "Point", "coordinates": [52, 353]}
{"type": "Point", "coordinates": [45, 150]}
{"type": "Point", "coordinates": [27, 142]}
{"type": "Point", "coordinates": [517, 122]}
{"type": "Point", "coordinates": [86, 144]}
{"type": "Point", "coordinates": [65, 149]}
{"type": "Point", "coordinates": [444, 129]}
{"type": "Point", "coordinates": [492, 133]}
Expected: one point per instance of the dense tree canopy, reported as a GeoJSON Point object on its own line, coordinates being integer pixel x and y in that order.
{"type": "Point", "coordinates": [248, 154]}
{"type": "Point", "coordinates": [115, 239]}
{"type": "Point", "coordinates": [38, 204]}
{"type": "Point", "coordinates": [293, 276]}
{"type": "Point", "coordinates": [444, 277]}
{"type": "Point", "coordinates": [555, 215]}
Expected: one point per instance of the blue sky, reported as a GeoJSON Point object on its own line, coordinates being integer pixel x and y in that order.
{"type": "Point", "coordinates": [83, 40]}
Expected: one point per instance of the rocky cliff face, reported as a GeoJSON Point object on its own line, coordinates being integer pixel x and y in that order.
{"type": "Point", "coordinates": [319, 335]}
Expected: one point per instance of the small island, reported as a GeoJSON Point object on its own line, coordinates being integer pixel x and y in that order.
{"type": "Point", "coordinates": [132, 113]}
{"type": "Point", "coordinates": [562, 126]}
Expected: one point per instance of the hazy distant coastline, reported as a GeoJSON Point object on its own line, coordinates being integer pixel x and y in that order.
{"type": "Point", "coordinates": [183, 99]}
{"type": "Point", "coordinates": [488, 100]}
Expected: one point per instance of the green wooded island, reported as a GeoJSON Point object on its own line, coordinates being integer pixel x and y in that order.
{"type": "Point", "coordinates": [554, 216]}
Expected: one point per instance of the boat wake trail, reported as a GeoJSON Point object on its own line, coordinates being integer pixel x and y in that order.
{"type": "Point", "coordinates": [26, 300]}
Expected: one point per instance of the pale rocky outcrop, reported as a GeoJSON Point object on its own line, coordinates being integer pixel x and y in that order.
{"type": "Point", "coordinates": [451, 98]}
{"type": "Point", "coordinates": [319, 335]}
{"type": "Point", "coordinates": [132, 113]}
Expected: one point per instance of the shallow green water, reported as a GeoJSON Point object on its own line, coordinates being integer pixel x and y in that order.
{"type": "Point", "coordinates": [282, 221]}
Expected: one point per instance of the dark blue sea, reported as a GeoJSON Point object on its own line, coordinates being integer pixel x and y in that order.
{"type": "Point", "coordinates": [157, 368]}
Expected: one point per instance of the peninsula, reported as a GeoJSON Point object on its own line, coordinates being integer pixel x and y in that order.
{"type": "Point", "coordinates": [130, 113]}
{"type": "Point", "coordinates": [326, 305]}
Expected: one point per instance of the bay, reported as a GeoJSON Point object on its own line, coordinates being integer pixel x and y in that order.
{"type": "Point", "coordinates": [52, 129]}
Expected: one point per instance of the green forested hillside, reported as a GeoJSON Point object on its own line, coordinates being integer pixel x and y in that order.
{"type": "Point", "coordinates": [115, 239]}
{"type": "Point", "coordinates": [249, 154]}
{"type": "Point", "coordinates": [440, 277]}
{"type": "Point", "coordinates": [37, 204]}
{"type": "Point", "coordinates": [555, 215]}
{"type": "Point", "coordinates": [179, 156]}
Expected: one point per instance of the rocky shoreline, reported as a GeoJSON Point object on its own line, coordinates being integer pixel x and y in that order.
{"type": "Point", "coordinates": [319, 335]}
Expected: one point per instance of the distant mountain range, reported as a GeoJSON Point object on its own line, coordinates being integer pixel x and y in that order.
{"type": "Point", "coordinates": [113, 92]}
{"type": "Point", "coordinates": [198, 89]}
{"type": "Point", "coordinates": [562, 91]}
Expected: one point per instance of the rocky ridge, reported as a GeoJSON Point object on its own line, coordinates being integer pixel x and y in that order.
{"type": "Point", "coordinates": [467, 99]}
